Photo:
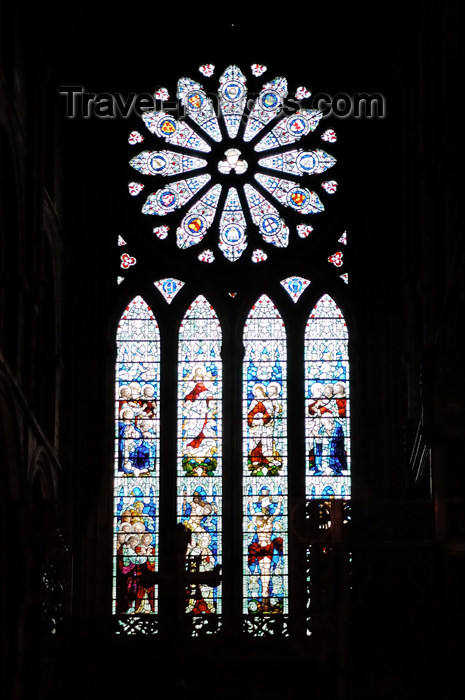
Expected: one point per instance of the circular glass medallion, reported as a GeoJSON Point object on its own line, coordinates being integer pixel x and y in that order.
{"type": "Point", "coordinates": [157, 163]}
{"type": "Point", "coordinates": [270, 100]}
{"type": "Point", "coordinates": [270, 225]}
{"type": "Point", "coordinates": [296, 125]}
{"type": "Point", "coordinates": [232, 234]}
{"type": "Point", "coordinates": [195, 100]}
{"type": "Point", "coordinates": [167, 199]}
{"type": "Point", "coordinates": [167, 126]}
{"type": "Point", "coordinates": [233, 91]}
{"type": "Point", "coordinates": [297, 198]}
{"type": "Point", "coordinates": [307, 162]}
{"type": "Point", "coordinates": [195, 225]}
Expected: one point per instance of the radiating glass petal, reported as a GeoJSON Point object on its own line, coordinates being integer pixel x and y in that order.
{"type": "Point", "coordinates": [290, 129]}
{"type": "Point", "coordinates": [166, 163]}
{"type": "Point", "coordinates": [174, 195]}
{"type": "Point", "coordinates": [174, 131]}
{"type": "Point", "coordinates": [290, 194]}
{"type": "Point", "coordinates": [233, 240]}
{"type": "Point", "coordinates": [198, 219]}
{"type": "Point", "coordinates": [233, 97]}
{"type": "Point", "coordinates": [267, 107]}
{"type": "Point", "coordinates": [266, 217]}
{"type": "Point", "coordinates": [199, 107]}
{"type": "Point", "coordinates": [299, 162]}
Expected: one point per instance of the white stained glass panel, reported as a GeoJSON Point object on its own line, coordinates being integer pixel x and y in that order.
{"type": "Point", "coordinates": [174, 131]}
{"type": "Point", "coordinates": [199, 107]}
{"type": "Point", "coordinates": [174, 195]}
{"type": "Point", "coordinates": [267, 107]}
{"type": "Point", "coordinates": [165, 163]}
{"type": "Point", "coordinates": [198, 219]}
{"type": "Point", "coordinates": [233, 97]}
{"type": "Point", "coordinates": [233, 240]}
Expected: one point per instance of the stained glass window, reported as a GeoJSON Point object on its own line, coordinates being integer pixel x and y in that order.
{"type": "Point", "coordinates": [265, 465]}
{"type": "Point", "coordinates": [136, 483]}
{"type": "Point", "coordinates": [231, 126]}
{"type": "Point", "coordinates": [199, 453]}
{"type": "Point", "coordinates": [233, 177]}
{"type": "Point", "coordinates": [327, 402]}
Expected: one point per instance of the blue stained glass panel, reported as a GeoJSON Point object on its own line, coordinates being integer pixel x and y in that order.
{"type": "Point", "coordinates": [327, 402]}
{"type": "Point", "coordinates": [265, 461]}
{"type": "Point", "coordinates": [136, 480]}
{"type": "Point", "coordinates": [199, 467]}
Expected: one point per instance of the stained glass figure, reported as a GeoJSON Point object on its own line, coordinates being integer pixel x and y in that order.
{"type": "Point", "coordinates": [136, 480]}
{"type": "Point", "coordinates": [166, 163]}
{"type": "Point", "coordinates": [199, 449]}
{"type": "Point", "coordinates": [265, 461]}
{"type": "Point", "coordinates": [198, 219]}
{"type": "Point", "coordinates": [327, 402]}
{"type": "Point", "coordinates": [169, 287]}
{"type": "Point", "coordinates": [233, 240]}
{"type": "Point", "coordinates": [295, 286]}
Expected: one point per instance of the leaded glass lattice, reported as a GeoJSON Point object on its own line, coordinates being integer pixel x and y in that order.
{"type": "Point", "coordinates": [265, 539]}
{"type": "Point", "coordinates": [136, 473]}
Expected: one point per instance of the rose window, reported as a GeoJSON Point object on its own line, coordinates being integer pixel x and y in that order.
{"type": "Point", "coordinates": [233, 167]}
